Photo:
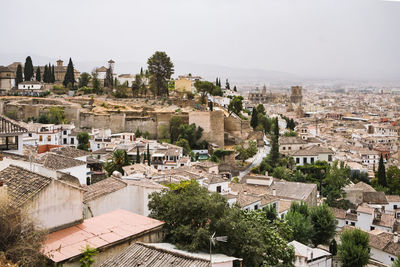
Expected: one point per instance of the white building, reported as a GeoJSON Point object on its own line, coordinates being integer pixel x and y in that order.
{"type": "Point", "coordinates": [310, 257]}
{"type": "Point", "coordinates": [312, 154]}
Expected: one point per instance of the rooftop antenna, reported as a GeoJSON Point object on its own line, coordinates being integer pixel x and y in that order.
{"type": "Point", "coordinates": [214, 238]}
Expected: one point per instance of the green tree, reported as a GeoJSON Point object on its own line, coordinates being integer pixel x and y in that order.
{"type": "Point", "coordinates": [236, 105]}
{"type": "Point", "coordinates": [234, 88]}
{"type": "Point", "coordinates": [141, 71]}
{"type": "Point", "coordinates": [46, 74]}
{"type": "Point", "coordinates": [109, 80]}
{"type": "Point", "coordinates": [28, 69]}
{"type": "Point", "coordinates": [254, 118]}
{"type": "Point", "coordinates": [38, 76]}
{"type": "Point", "coordinates": [69, 75]}
{"type": "Point", "coordinates": [396, 263]}
{"type": "Point", "coordinates": [119, 159]}
{"type": "Point", "coordinates": [137, 155]}
{"type": "Point", "coordinates": [160, 68]}
{"type": "Point", "coordinates": [227, 85]}
{"type": "Point", "coordinates": [96, 83]}
{"type": "Point", "coordinates": [185, 145]}
{"type": "Point", "coordinates": [246, 152]}
{"type": "Point", "coordinates": [83, 140]}
{"type": "Point", "coordinates": [84, 79]}
{"type": "Point", "coordinates": [381, 173]}
{"type": "Point", "coordinates": [204, 88]}
{"type": "Point", "coordinates": [393, 180]}
{"type": "Point", "coordinates": [274, 153]}
{"type": "Point", "coordinates": [19, 78]}
{"type": "Point", "coordinates": [87, 256]}
{"type": "Point", "coordinates": [354, 248]}
{"type": "Point", "coordinates": [53, 77]}
{"type": "Point", "coordinates": [174, 125]}
{"type": "Point", "coordinates": [148, 156]}
{"type": "Point", "coordinates": [201, 214]}
{"type": "Point", "coordinates": [301, 225]}
{"type": "Point", "coordinates": [333, 247]}
{"type": "Point", "coordinates": [137, 85]}
{"type": "Point", "coordinates": [290, 133]}
{"type": "Point", "coordinates": [324, 224]}
{"type": "Point", "coordinates": [55, 115]}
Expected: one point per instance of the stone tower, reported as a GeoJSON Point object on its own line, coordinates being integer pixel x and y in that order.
{"type": "Point", "coordinates": [296, 95]}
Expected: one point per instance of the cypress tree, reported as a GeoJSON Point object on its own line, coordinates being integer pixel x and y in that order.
{"type": "Point", "coordinates": [148, 155]}
{"type": "Point", "coordinates": [137, 155]}
{"type": "Point", "coordinates": [28, 69]}
{"type": "Point", "coordinates": [53, 77]}
{"type": "Point", "coordinates": [38, 76]}
{"type": "Point", "coordinates": [381, 172]}
{"type": "Point", "coordinates": [19, 78]}
{"type": "Point", "coordinates": [45, 74]}
{"type": "Point", "coordinates": [69, 75]}
{"type": "Point", "coordinates": [141, 71]}
{"type": "Point", "coordinates": [227, 86]}
{"type": "Point", "coordinates": [234, 89]}
{"type": "Point", "coordinates": [275, 144]}
{"type": "Point", "coordinates": [216, 81]}
{"type": "Point", "coordinates": [254, 118]}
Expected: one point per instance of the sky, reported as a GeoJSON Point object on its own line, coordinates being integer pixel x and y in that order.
{"type": "Point", "coordinates": [352, 39]}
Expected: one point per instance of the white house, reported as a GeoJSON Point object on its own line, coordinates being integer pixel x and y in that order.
{"type": "Point", "coordinates": [310, 257]}
{"type": "Point", "coordinates": [52, 203]}
{"type": "Point", "coordinates": [385, 247]}
{"type": "Point", "coordinates": [115, 193]}
{"type": "Point", "coordinates": [312, 154]}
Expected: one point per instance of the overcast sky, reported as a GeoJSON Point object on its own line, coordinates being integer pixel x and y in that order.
{"type": "Point", "coordinates": [313, 38]}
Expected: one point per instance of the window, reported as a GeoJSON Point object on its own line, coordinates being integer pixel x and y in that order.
{"type": "Point", "coordinates": [98, 145]}
{"type": "Point", "coordinates": [40, 138]}
{"type": "Point", "coordinates": [329, 157]}
{"type": "Point", "coordinates": [312, 160]}
{"type": "Point", "coordinates": [290, 148]}
{"type": "Point", "coordinates": [255, 207]}
{"type": "Point", "coordinates": [394, 207]}
{"type": "Point", "coordinates": [65, 133]}
{"type": "Point", "coordinates": [219, 189]}
{"type": "Point", "coordinates": [347, 222]}
{"type": "Point", "coordinates": [353, 224]}
{"type": "Point", "coordinates": [30, 134]}
{"type": "Point", "coordinates": [297, 160]}
{"type": "Point", "coordinates": [284, 148]}
{"type": "Point", "coordinates": [304, 160]}
{"type": "Point", "coordinates": [65, 141]}
{"type": "Point", "coordinates": [72, 141]}
{"type": "Point", "coordinates": [49, 138]}
{"type": "Point", "coordinates": [372, 228]}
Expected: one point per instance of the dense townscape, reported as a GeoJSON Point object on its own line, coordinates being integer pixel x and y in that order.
{"type": "Point", "coordinates": [200, 133]}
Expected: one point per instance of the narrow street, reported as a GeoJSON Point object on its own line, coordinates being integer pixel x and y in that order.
{"type": "Point", "coordinates": [256, 160]}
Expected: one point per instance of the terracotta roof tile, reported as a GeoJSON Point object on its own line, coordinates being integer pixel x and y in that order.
{"type": "Point", "coordinates": [104, 187]}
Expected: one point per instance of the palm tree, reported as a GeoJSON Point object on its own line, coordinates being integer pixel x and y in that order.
{"type": "Point", "coordinates": [118, 160]}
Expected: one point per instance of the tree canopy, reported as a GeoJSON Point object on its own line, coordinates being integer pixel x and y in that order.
{"type": "Point", "coordinates": [191, 215]}
{"type": "Point", "coordinates": [83, 140]}
{"type": "Point", "coordinates": [236, 105]}
{"type": "Point", "coordinates": [28, 69]}
{"type": "Point", "coordinates": [160, 68]}
{"type": "Point", "coordinates": [354, 248]}
{"type": "Point", "coordinates": [119, 159]}
{"type": "Point", "coordinates": [69, 75]}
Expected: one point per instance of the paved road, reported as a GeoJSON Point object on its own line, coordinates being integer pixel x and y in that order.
{"type": "Point", "coordinates": [256, 160]}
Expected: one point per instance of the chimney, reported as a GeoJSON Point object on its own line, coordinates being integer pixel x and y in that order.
{"type": "Point", "coordinates": [274, 192]}
{"type": "Point", "coordinates": [395, 237]}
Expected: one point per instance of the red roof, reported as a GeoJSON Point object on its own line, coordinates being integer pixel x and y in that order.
{"type": "Point", "coordinates": [96, 232]}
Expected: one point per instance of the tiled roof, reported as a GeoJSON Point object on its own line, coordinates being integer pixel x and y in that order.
{"type": "Point", "coordinates": [97, 232]}
{"type": "Point", "coordinates": [292, 190]}
{"type": "Point", "coordinates": [365, 209]}
{"type": "Point", "coordinates": [361, 186]}
{"type": "Point", "coordinates": [104, 187]}
{"type": "Point", "coordinates": [383, 241]}
{"type": "Point", "coordinates": [144, 255]}
{"type": "Point", "coordinates": [313, 150]}
{"type": "Point", "coordinates": [70, 152]}
{"type": "Point", "coordinates": [374, 198]}
{"type": "Point", "coordinates": [22, 184]}
{"type": "Point", "coordinates": [339, 213]}
{"type": "Point", "coordinates": [57, 162]}
{"type": "Point", "coordinates": [244, 199]}
{"type": "Point", "coordinates": [284, 205]}
{"type": "Point", "coordinates": [393, 198]}
{"type": "Point", "coordinates": [386, 220]}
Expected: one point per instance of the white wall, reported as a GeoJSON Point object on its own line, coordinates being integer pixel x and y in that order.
{"type": "Point", "coordinates": [79, 172]}
{"type": "Point", "coordinates": [56, 205]}
{"type": "Point", "coordinates": [382, 256]}
{"type": "Point", "coordinates": [364, 221]}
